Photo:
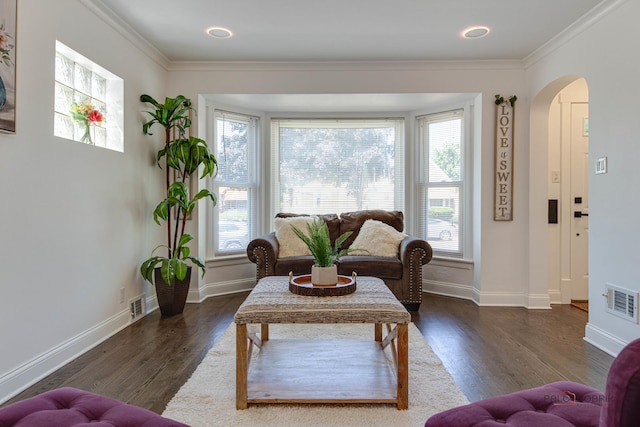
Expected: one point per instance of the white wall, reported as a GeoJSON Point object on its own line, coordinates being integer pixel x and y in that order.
{"type": "Point", "coordinates": [605, 55]}
{"type": "Point", "coordinates": [76, 219]}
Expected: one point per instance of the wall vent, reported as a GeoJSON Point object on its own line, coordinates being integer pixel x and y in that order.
{"type": "Point", "coordinates": [136, 308]}
{"type": "Point", "coordinates": [622, 302]}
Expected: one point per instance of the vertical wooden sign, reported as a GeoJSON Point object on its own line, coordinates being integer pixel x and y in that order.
{"type": "Point", "coordinates": [503, 190]}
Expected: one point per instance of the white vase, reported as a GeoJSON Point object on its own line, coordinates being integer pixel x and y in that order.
{"type": "Point", "coordinates": [324, 276]}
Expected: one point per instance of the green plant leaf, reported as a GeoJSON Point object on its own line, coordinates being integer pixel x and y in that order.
{"type": "Point", "coordinates": [318, 242]}
{"type": "Point", "coordinates": [149, 99]}
{"type": "Point", "coordinates": [340, 240]}
{"type": "Point", "coordinates": [197, 261]}
{"type": "Point", "coordinates": [161, 211]}
{"type": "Point", "coordinates": [147, 268]}
{"type": "Point", "coordinates": [204, 193]}
{"type": "Point", "coordinates": [179, 190]}
{"type": "Point", "coordinates": [184, 252]}
{"type": "Point", "coordinates": [167, 271]}
{"type": "Point", "coordinates": [184, 239]}
{"type": "Point", "coordinates": [180, 268]}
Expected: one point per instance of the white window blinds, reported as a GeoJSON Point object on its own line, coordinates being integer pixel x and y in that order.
{"type": "Point", "coordinates": [442, 181]}
{"type": "Point", "coordinates": [324, 166]}
{"type": "Point", "coordinates": [235, 185]}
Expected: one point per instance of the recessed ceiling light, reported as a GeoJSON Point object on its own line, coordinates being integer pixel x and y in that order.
{"type": "Point", "coordinates": [475, 32]}
{"type": "Point", "coordinates": [219, 32]}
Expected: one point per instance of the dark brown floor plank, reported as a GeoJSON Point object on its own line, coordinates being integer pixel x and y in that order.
{"type": "Point", "coordinates": [487, 350]}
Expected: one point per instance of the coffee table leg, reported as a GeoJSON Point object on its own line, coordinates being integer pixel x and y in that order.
{"type": "Point", "coordinates": [403, 366]}
{"type": "Point", "coordinates": [241, 366]}
{"type": "Point", "coordinates": [378, 332]}
{"type": "Point", "coordinates": [264, 332]}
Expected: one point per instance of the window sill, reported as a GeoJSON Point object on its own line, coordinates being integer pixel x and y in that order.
{"type": "Point", "coordinates": [442, 261]}
{"type": "Point", "coordinates": [227, 260]}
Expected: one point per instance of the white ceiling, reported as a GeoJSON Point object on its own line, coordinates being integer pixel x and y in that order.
{"type": "Point", "coordinates": [347, 30]}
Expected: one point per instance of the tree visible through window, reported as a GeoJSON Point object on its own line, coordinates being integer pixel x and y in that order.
{"type": "Point", "coordinates": [333, 166]}
{"type": "Point", "coordinates": [235, 185]}
{"type": "Point", "coordinates": [441, 187]}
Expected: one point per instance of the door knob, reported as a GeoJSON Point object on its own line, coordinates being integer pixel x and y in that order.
{"type": "Point", "coordinates": [579, 214]}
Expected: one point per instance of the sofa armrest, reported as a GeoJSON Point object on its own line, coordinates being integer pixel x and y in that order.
{"type": "Point", "coordinates": [419, 249]}
{"type": "Point", "coordinates": [263, 252]}
{"type": "Point", "coordinates": [414, 253]}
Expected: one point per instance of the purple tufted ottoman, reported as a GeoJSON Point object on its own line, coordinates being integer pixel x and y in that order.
{"type": "Point", "coordinates": [67, 407]}
{"type": "Point", "coordinates": [560, 404]}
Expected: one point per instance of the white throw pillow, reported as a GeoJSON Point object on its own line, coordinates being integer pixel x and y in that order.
{"type": "Point", "coordinates": [378, 238]}
{"type": "Point", "coordinates": [290, 244]}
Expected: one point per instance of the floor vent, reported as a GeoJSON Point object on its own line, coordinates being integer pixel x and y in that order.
{"type": "Point", "coordinates": [137, 308]}
{"type": "Point", "coordinates": [622, 302]}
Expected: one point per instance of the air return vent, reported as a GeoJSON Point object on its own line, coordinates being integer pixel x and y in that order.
{"type": "Point", "coordinates": [137, 308]}
{"type": "Point", "coordinates": [622, 302]}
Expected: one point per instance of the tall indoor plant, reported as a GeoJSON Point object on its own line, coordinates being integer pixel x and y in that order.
{"type": "Point", "coordinates": [182, 155]}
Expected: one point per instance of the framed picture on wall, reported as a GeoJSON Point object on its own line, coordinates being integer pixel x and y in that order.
{"type": "Point", "coordinates": [8, 34]}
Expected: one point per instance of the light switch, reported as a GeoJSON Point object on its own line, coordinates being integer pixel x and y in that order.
{"type": "Point", "coordinates": [601, 165]}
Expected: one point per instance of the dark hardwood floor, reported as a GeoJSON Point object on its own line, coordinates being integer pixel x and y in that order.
{"type": "Point", "coordinates": [487, 350]}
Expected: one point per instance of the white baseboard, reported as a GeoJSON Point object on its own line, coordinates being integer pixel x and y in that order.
{"type": "Point", "coordinates": [222, 288]}
{"type": "Point", "coordinates": [17, 380]}
{"type": "Point", "coordinates": [555, 296]}
{"type": "Point", "coordinates": [196, 296]}
{"type": "Point", "coordinates": [538, 302]}
{"type": "Point", "coordinates": [603, 340]}
{"type": "Point", "coordinates": [507, 299]}
{"type": "Point", "coordinates": [448, 289]}
{"type": "Point", "coordinates": [498, 299]}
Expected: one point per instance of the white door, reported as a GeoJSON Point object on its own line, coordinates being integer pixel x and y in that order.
{"type": "Point", "coordinates": [579, 203]}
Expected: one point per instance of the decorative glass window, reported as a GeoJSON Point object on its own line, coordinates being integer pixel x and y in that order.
{"type": "Point", "coordinates": [88, 101]}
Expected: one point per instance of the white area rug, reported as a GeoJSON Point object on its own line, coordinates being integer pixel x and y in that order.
{"type": "Point", "coordinates": [208, 398]}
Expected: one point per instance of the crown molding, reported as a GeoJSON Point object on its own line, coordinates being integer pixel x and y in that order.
{"type": "Point", "coordinates": [596, 14]}
{"type": "Point", "coordinates": [230, 66]}
{"type": "Point", "coordinates": [112, 19]}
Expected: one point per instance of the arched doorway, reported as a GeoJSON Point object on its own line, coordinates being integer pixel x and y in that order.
{"type": "Point", "coordinates": [559, 191]}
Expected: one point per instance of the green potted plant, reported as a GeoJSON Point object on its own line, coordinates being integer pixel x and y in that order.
{"type": "Point", "coordinates": [317, 240]}
{"type": "Point", "coordinates": [182, 156]}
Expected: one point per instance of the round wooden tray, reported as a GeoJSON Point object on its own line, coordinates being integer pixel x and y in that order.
{"type": "Point", "coordinates": [301, 285]}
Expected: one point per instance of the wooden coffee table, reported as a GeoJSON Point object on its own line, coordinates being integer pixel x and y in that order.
{"type": "Point", "coordinates": [321, 370]}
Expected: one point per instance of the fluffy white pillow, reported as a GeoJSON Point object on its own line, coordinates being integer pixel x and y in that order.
{"type": "Point", "coordinates": [378, 238]}
{"type": "Point", "coordinates": [290, 244]}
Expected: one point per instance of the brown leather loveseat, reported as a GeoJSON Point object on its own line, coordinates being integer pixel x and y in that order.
{"type": "Point", "coordinates": [402, 273]}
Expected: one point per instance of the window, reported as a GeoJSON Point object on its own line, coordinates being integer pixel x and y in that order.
{"type": "Point", "coordinates": [332, 166]}
{"type": "Point", "coordinates": [235, 137]}
{"type": "Point", "coordinates": [441, 190]}
{"type": "Point", "coordinates": [82, 82]}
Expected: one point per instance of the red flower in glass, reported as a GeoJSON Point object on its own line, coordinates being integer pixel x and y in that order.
{"type": "Point", "coordinates": [95, 117]}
